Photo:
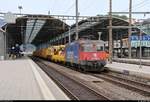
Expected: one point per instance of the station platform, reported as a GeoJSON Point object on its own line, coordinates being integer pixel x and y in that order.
{"type": "Point", "coordinates": [133, 61]}
{"type": "Point", "coordinates": [23, 80]}
{"type": "Point", "coordinates": [130, 69]}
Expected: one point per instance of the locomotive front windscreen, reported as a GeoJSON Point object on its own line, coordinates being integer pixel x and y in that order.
{"type": "Point", "coordinates": [91, 47]}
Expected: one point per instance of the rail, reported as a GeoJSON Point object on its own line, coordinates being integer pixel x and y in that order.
{"type": "Point", "coordinates": [75, 89]}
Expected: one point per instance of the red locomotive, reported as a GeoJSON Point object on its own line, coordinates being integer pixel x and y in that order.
{"type": "Point", "coordinates": [87, 55]}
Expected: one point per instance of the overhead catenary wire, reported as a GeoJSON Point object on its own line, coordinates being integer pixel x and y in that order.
{"type": "Point", "coordinates": [137, 5]}
{"type": "Point", "coordinates": [88, 2]}
{"type": "Point", "coordinates": [143, 5]}
{"type": "Point", "coordinates": [56, 3]}
{"type": "Point", "coordinates": [70, 7]}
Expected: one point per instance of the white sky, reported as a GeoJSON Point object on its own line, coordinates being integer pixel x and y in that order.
{"type": "Point", "coordinates": [67, 7]}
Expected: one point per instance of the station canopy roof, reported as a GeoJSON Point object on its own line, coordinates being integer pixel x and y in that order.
{"type": "Point", "coordinates": [93, 25]}
{"type": "Point", "coordinates": [35, 29]}
{"type": "Point", "coordinates": [2, 23]}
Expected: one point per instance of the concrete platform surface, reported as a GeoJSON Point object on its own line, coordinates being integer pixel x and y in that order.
{"type": "Point", "coordinates": [143, 60]}
{"type": "Point", "coordinates": [131, 69]}
{"type": "Point", "coordinates": [24, 80]}
{"type": "Point", "coordinates": [133, 61]}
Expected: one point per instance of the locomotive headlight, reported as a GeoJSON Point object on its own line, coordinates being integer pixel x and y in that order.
{"type": "Point", "coordinates": [94, 55]}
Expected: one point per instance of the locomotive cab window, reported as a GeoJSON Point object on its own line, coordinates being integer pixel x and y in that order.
{"type": "Point", "coordinates": [91, 48]}
{"type": "Point", "coordinates": [87, 48]}
{"type": "Point", "coordinates": [100, 48]}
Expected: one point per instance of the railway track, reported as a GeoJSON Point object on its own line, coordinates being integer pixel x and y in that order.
{"type": "Point", "coordinates": [132, 85]}
{"type": "Point", "coordinates": [75, 89]}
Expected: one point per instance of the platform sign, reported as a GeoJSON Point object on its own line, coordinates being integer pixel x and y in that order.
{"type": "Point", "coordinates": [10, 17]}
{"type": "Point", "coordinates": [145, 42]}
{"type": "Point", "coordinates": [144, 38]}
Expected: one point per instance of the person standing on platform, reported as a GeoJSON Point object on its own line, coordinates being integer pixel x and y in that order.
{"type": "Point", "coordinates": [12, 52]}
{"type": "Point", "coordinates": [17, 50]}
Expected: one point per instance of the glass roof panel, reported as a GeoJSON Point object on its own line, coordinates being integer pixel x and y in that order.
{"type": "Point", "coordinates": [38, 25]}
{"type": "Point", "coordinates": [29, 27]}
